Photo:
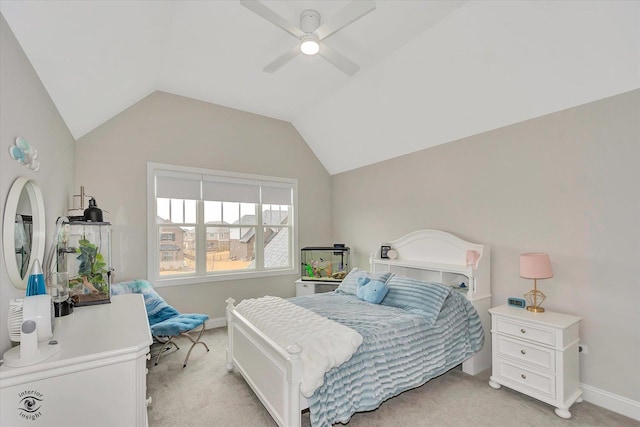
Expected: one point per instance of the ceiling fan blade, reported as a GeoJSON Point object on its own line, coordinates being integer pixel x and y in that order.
{"type": "Point", "coordinates": [352, 12]}
{"type": "Point", "coordinates": [282, 59]}
{"type": "Point", "coordinates": [268, 14]}
{"type": "Point", "coordinates": [340, 61]}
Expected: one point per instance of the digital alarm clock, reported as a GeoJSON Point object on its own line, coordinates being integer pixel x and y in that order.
{"type": "Point", "coordinates": [516, 302]}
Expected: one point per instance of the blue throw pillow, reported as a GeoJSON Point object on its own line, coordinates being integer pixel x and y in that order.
{"type": "Point", "coordinates": [416, 296]}
{"type": "Point", "coordinates": [372, 291]}
{"type": "Point", "coordinates": [349, 284]}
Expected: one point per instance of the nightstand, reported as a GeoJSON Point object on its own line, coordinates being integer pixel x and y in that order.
{"type": "Point", "coordinates": [310, 287]}
{"type": "Point", "coordinates": [536, 354]}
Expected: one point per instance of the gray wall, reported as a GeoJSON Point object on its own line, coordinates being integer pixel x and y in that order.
{"type": "Point", "coordinates": [165, 128]}
{"type": "Point", "coordinates": [565, 183]}
{"type": "Point", "coordinates": [26, 110]}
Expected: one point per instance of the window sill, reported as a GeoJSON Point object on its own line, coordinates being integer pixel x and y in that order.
{"type": "Point", "coordinates": [224, 277]}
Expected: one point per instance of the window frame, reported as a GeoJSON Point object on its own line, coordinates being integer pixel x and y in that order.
{"type": "Point", "coordinates": [153, 237]}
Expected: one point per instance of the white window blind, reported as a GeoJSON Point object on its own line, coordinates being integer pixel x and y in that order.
{"type": "Point", "coordinates": [276, 193]}
{"type": "Point", "coordinates": [177, 185]}
{"type": "Point", "coordinates": [216, 188]}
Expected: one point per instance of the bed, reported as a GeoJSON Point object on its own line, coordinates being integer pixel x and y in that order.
{"type": "Point", "coordinates": [275, 371]}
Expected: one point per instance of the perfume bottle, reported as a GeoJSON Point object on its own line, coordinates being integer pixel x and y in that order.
{"type": "Point", "coordinates": [36, 285]}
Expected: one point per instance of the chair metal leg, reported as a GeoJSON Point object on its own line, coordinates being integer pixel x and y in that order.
{"type": "Point", "coordinates": [194, 342]}
{"type": "Point", "coordinates": [166, 345]}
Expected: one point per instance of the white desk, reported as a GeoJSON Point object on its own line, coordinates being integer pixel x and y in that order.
{"type": "Point", "coordinates": [98, 377]}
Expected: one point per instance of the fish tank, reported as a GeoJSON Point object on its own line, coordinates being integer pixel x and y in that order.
{"type": "Point", "coordinates": [324, 264]}
{"type": "Point", "coordinates": [84, 252]}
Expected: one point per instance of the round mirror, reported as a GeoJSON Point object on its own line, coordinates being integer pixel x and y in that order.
{"type": "Point", "coordinates": [23, 230]}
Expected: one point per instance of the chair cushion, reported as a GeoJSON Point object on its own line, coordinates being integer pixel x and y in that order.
{"type": "Point", "coordinates": [178, 324]}
{"type": "Point", "coordinates": [138, 286]}
{"type": "Point", "coordinates": [157, 308]}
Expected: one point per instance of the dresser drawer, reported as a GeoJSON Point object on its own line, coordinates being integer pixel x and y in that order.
{"type": "Point", "coordinates": [537, 334]}
{"type": "Point", "coordinates": [527, 380]}
{"type": "Point", "coordinates": [540, 357]}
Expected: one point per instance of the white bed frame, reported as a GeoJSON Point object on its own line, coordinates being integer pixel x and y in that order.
{"type": "Point", "coordinates": [275, 373]}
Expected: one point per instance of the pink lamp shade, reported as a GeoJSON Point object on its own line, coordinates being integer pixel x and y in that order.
{"type": "Point", "coordinates": [535, 265]}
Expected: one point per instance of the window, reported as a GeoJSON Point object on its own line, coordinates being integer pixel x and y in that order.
{"type": "Point", "coordinates": [209, 225]}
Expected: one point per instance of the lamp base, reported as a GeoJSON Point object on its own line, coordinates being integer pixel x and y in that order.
{"type": "Point", "coordinates": [534, 300]}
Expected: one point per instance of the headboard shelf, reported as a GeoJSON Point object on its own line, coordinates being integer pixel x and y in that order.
{"type": "Point", "coordinates": [424, 265]}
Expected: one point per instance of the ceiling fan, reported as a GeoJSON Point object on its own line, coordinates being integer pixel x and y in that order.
{"type": "Point", "coordinates": [311, 34]}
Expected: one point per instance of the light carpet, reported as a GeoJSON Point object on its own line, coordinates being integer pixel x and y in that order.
{"type": "Point", "coordinates": [206, 394]}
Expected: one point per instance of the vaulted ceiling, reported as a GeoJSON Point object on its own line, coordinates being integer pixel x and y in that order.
{"type": "Point", "coordinates": [430, 71]}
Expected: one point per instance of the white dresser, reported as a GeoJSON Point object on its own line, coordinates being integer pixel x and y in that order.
{"type": "Point", "coordinates": [98, 378]}
{"type": "Point", "coordinates": [536, 354]}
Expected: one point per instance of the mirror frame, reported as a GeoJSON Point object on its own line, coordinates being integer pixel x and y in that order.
{"type": "Point", "coordinates": [38, 233]}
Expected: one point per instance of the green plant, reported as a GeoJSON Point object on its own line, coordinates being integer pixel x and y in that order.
{"type": "Point", "coordinates": [92, 265]}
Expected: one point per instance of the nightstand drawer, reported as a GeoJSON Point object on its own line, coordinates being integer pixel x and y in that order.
{"type": "Point", "coordinates": [532, 333]}
{"type": "Point", "coordinates": [537, 382]}
{"type": "Point", "coordinates": [540, 357]}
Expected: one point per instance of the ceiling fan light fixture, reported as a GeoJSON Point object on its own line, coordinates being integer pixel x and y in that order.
{"type": "Point", "coordinates": [309, 45]}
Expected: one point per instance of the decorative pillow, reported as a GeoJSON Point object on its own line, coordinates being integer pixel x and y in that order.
{"type": "Point", "coordinates": [349, 284]}
{"type": "Point", "coordinates": [372, 291]}
{"type": "Point", "coordinates": [416, 296]}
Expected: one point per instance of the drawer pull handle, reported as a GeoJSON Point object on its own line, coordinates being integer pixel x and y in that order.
{"type": "Point", "coordinates": [524, 331]}
{"type": "Point", "coordinates": [523, 352]}
{"type": "Point", "coordinates": [524, 377]}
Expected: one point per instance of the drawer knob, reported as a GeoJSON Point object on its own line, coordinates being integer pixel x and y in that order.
{"type": "Point", "coordinates": [524, 331]}
{"type": "Point", "coordinates": [523, 352]}
{"type": "Point", "coordinates": [523, 376]}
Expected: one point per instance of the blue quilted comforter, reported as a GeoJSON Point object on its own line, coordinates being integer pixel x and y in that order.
{"type": "Point", "coordinates": [400, 351]}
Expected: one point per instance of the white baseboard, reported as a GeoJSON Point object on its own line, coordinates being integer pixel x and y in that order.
{"type": "Point", "coordinates": [218, 322]}
{"type": "Point", "coordinates": [613, 402]}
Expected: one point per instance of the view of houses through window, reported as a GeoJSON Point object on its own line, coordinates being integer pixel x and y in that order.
{"type": "Point", "coordinates": [230, 242]}
{"type": "Point", "coordinates": [199, 236]}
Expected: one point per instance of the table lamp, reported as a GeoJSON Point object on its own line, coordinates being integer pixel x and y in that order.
{"type": "Point", "coordinates": [535, 266]}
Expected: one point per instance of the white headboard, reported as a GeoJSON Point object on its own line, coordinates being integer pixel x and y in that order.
{"type": "Point", "coordinates": [440, 256]}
